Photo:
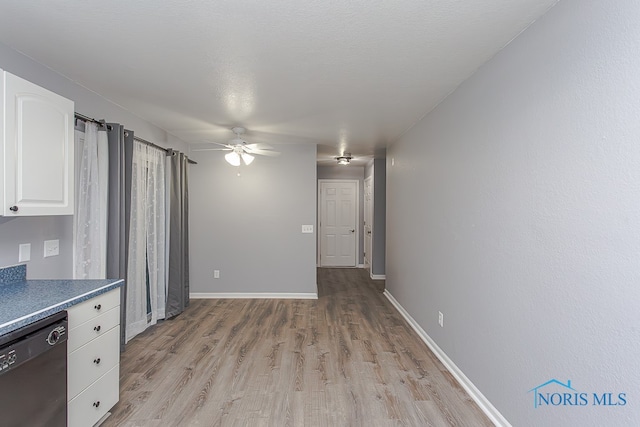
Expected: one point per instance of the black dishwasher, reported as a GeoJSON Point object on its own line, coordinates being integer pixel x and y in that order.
{"type": "Point", "coordinates": [33, 374]}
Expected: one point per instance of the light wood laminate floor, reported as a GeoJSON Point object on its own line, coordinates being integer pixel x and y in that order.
{"type": "Point", "coordinates": [346, 359]}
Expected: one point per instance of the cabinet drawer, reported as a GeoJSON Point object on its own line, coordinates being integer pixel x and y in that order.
{"type": "Point", "coordinates": [92, 360]}
{"type": "Point", "coordinates": [92, 329]}
{"type": "Point", "coordinates": [94, 402]}
{"type": "Point", "coordinates": [90, 309]}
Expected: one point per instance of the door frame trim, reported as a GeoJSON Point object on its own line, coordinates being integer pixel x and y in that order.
{"type": "Point", "coordinates": [372, 210]}
{"type": "Point", "coordinates": [357, 214]}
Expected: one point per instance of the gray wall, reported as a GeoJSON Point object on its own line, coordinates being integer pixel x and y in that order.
{"type": "Point", "coordinates": [349, 172]}
{"type": "Point", "coordinates": [249, 226]}
{"type": "Point", "coordinates": [34, 230]}
{"type": "Point", "coordinates": [514, 208]}
{"type": "Point", "coordinates": [378, 170]}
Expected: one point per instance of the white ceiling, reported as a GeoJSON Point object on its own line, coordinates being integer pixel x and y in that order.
{"type": "Point", "coordinates": [347, 75]}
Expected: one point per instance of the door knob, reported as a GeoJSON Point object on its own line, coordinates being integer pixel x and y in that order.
{"type": "Point", "coordinates": [13, 209]}
{"type": "Point", "coordinates": [353, 231]}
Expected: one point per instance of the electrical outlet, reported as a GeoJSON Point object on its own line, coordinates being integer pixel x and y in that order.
{"type": "Point", "coordinates": [440, 319]}
{"type": "Point", "coordinates": [307, 228]}
{"type": "Point", "coordinates": [216, 274]}
{"type": "Point", "coordinates": [51, 248]}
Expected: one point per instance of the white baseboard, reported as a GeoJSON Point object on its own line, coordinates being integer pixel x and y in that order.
{"type": "Point", "coordinates": [378, 276]}
{"type": "Point", "coordinates": [360, 266]}
{"type": "Point", "coordinates": [249, 295]}
{"type": "Point", "coordinates": [484, 404]}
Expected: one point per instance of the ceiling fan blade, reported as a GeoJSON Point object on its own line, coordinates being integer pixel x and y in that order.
{"type": "Point", "coordinates": [216, 143]}
{"type": "Point", "coordinates": [212, 149]}
{"type": "Point", "coordinates": [264, 152]}
{"type": "Point", "coordinates": [259, 146]}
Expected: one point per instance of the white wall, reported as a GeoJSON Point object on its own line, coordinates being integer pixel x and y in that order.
{"type": "Point", "coordinates": [514, 208]}
{"type": "Point", "coordinates": [35, 230]}
{"type": "Point", "coordinates": [249, 226]}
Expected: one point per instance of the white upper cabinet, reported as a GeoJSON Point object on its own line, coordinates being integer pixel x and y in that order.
{"type": "Point", "coordinates": [37, 150]}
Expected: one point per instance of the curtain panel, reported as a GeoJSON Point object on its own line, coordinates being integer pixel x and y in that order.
{"type": "Point", "coordinates": [145, 303]}
{"type": "Point", "coordinates": [90, 220]}
{"type": "Point", "coordinates": [178, 281]}
{"type": "Point", "coordinates": [120, 147]}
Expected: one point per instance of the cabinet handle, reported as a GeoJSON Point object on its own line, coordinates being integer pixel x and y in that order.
{"type": "Point", "coordinates": [96, 361]}
{"type": "Point", "coordinates": [96, 404]}
{"type": "Point", "coordinates": [97, 307]}
{"type": "Point", "coordinates": [13, 209]}
{"type": "Point", "coordinates": [97, 328]}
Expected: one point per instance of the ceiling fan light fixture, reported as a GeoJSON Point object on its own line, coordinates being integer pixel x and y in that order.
{"type": "Point", "coordinates": [247, 158]}
{"type": "Point", "coordinates": [233, 158]}
{"type": "Point", "coordinates": [345, 159]}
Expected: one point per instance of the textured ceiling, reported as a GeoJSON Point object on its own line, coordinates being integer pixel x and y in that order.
{"type": "Point", "coordinates": [347, 75]}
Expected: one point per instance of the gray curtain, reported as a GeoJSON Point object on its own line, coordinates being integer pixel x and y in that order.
{"type": "Point", "coordinates": [120, 154]}
{"type": "Point", "coordinates": [178, 281]}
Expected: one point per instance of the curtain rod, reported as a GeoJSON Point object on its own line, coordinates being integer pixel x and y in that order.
{"type": "Point", "coordinates": [169, 151]}
{"type": "Point", "coordinates": [91, 119]}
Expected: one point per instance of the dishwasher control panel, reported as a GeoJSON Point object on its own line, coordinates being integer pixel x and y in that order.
{"type": "Point", "coordinates": [32, 341]}
{"type": "Point", "coordinates": [7, 359]}
{"type": "Point", "coordinates": [55, 335]}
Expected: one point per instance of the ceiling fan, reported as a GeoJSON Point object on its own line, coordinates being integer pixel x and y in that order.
{"type": "Point", "coordinates": [343, 159]}
{"type": "Point", "coordinates": [240, 150]}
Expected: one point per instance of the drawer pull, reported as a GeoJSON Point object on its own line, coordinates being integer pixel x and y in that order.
{"type": "Point", "coordinates": [96, 361]}
{"type": "Point", "coordinates": [96, 404]}
{"type": "Point", "coordinates": [97, 328]}
{"type": "Point", "coordinates": [97, 307]}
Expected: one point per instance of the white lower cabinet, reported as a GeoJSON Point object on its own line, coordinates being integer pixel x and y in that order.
{"type": "Point", "coordinates": [88, 407]}
{"type": "Point", "coordinates": [93, 359]}
{"type": "Point", "coordinates": [94, 329]}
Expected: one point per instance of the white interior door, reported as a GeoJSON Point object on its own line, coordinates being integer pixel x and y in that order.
{"type": "Point", "coordinates": [338, 223]}
{"type": "Point", "coordinates": [368, 221]}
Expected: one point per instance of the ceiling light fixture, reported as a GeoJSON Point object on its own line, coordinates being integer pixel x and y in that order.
{"type": "Point", "coordinates": [234, 157]}
{"type": "Point", "coordinates": [345, 159]}
{"type": "Point", "coordinates": [247, 158]}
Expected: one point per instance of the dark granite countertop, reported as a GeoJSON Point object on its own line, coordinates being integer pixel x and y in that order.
{"type": "Point", "coordinates": [25, 301]}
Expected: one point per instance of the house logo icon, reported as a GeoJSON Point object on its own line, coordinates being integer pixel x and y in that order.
{"type": "Point", "coordinates": [554, 393]}
{"type": "Point", "coordinates": [540, 398]}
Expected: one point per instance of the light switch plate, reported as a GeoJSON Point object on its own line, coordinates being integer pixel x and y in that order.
{"type": "Point", "coordinates": [307, 228]}
{"type": "Point", "coordinates": [51, 248]}
{"type": "Point", "coordinates": [24, 252]}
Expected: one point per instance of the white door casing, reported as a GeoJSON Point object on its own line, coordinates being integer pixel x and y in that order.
{"type": "Point", "coordinates": [368, 222]}
{"type": "Point", "coordinates": [338, 205]}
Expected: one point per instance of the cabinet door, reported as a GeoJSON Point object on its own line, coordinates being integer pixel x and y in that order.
{"type": "Point", "coordinates": [38, 150]}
